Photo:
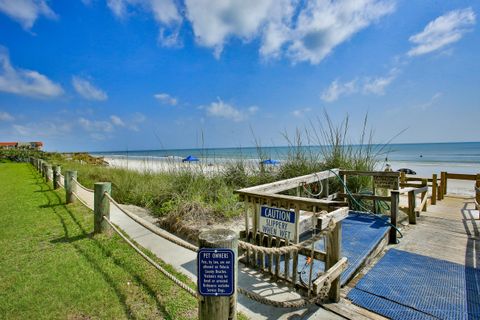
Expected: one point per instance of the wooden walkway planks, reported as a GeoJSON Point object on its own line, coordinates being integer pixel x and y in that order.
{"type": "Point", "coordinates": [448, 231]}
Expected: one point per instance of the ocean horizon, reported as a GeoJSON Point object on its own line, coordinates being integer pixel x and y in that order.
{"type": "Point", "coordinates": [442, 152]}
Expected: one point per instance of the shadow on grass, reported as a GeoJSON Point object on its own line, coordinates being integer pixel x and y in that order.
{"type": "Point", "coordinates": [56, 207]}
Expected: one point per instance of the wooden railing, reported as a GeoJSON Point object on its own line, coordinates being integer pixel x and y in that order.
{"type": "Point", "coordinates": [380, 179]}
{"type": "Point", "coordinates": [477, 194]}
{"type": "Point", "coordinates": [456, 176]}
{"type": "Point", "coordinates": [326, 215]}
{"type": "Point", "coordinates": [414, 209]}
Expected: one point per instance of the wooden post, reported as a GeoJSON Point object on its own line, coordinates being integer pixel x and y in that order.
{"type": "Point", "coordinates": [412, 217]}
{"type": "Point", "coordinates": [212, 307]}
{"type": "Point", "coordinates": [477, 193]}
{"type": "Point", "coordinates": [44, 169]}
{"type": "Point", "coordinates": [444, 183]}
{"type": "Point", "coordinates": [48, 171]}
{"type": "Point", "coordinates": [334, 249]}
{"type": "Point", "coordinates": [393, 215]}
{"type": "Point", "coordinates": [402, 177]}
{"type": "Point", "coordinates": [56, 176]}
{"type": "Point", "coordinates": [101, 206]}
{"type": "Point", "coordinates": [70, 187]}
{"type": "Point", "coordinates": [424, 194]}
{"type": "Point", "coordinates": [434, 189]}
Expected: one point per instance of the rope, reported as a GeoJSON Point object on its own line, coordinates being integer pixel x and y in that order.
{"type": "Point", "coordinates": [368, 212]}
{"type": "Point", "coordinates": [155, 230]}
{"type": "Point", "coordinates": [288, 249]}
{"type": "Point", "coordinates": [84, 188]}
{"type": "Point", "coordinates": [170, 276]}
{"type": "Point", "coordinates": [298, 303]}
{"type": "Point", "coordinates": [80, 199]}
{"type": "Point", "coordinates": [311, 194]}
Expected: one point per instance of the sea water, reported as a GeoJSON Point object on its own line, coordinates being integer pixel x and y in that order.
{"type": "Point", "coordinates": [424, 158]}
{"type": "Point", "coordinates": [461, 153]}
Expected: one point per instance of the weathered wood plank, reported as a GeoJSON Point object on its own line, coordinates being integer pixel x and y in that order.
{"type": "Point", "coordinates": [369, 173]}
{"type": "Point", "coordinates": [337, 215]}
{"type": "Point", "coordinates": [461, 176]}
{"type": "Point", "coordinates": [365, 196]}
{"type": "Point", "coordinates": [332, 273]}
{"type": "Point", "coordinates": [334, 248]}
{"type": "Point", "coordinates": [288, 184]}
{"type": "Point", "coordinates": [308, 203]}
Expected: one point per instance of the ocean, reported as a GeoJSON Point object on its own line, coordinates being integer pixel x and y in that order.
{"type": "Point", "coordinates": [423, 158]}
{"type": "Point", "coordinates": [462, 152]}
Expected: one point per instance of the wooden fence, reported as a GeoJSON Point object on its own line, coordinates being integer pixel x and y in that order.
{"type": "Point", "coordinates": [325, 217]}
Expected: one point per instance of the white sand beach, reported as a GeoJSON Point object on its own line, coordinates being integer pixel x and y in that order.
{"type": "Point", "coordinates": [423, 169]}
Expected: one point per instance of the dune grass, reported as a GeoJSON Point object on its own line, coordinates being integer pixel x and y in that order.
{"type": "Point", "coordinates": [182, 194]}
{"type": "Point", "coordinates": [53, 267]}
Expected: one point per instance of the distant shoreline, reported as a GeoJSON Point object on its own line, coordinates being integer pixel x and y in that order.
{"type": "Point", "coordinates": [158, 164]}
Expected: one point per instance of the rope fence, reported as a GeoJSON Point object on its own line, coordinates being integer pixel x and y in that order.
{"type": "Point", "coordinates": [81, 200]}
{"type": "Point", "coordinates": [295, 248]}
{"type": "Point", "coordinates": [170, 276]}
{"type": "Point", "coordinates": [81, 186]}
{"type": "Point", "coordinates": [153, 229]}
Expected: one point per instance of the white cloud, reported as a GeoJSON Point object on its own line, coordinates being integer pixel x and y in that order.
{"type": "Point", "coordinates": [103, 129]}
{"type": "Point", "coordinates": [431, 102]}
{"type": "Point", "coordinates": [303, 32]}
{"type": "Point", "coordinates": [164, 12]}
{"type": "Point", "coordinates": [5, 116]}
{"type": "Point", "coordinates": [377, 85]}
{"type": "Point", "coordinates": [25, 82]}
{"type": "Point", "coordinates": [95, 126]}
{"type": "Point", "coordinates": [442, 31]}
{"type": "Point", "coordinates": [116, 120]}
{"type": "Point", "coordinates": [165, 98]}
{"type": "Point", "coordinates": [300, 113]}
{"type": "Point", "coordinates": [32, 131]}
{"type": "Point", "coordinates": [88, 90]}
{"type": "Point", "coordinates": [214, 21]}
{"type": "Point", "coordinates": [224, 110]}
{"type": "Point", "coordinates": [366, 85]}
{"type": "Point", "coordinates": [26, 12]}
{"type": "Point", "coordinates": [323, 25]}
{"type": "Point", "coordinates": [337, 89]}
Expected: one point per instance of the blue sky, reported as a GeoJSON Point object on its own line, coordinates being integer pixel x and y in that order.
{"type": "Point", "coordinates": [148, 74]}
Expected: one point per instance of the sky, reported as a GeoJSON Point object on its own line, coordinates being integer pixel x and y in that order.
{"type": "Point", "coordinates": [100, 75]}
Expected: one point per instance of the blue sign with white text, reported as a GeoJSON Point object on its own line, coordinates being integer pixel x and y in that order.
{"type": "Point", "coordinates": [216, 272]}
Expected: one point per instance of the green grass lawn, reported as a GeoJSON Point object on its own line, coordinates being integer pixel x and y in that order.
{"type": "Point", "coordinates": [53, 267]}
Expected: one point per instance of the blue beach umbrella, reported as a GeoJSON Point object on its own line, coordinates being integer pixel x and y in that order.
{"type": "Point", "coordinates": [270, 161]}
{"type": "Point", "coordinates": [190, 159]}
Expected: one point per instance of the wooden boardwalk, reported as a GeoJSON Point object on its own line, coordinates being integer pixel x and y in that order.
{"type": "Point", "coordinates": [448, 230]}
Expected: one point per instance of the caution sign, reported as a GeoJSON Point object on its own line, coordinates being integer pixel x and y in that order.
{"type": "Point", "coordinates": [216, 272]}
{"type": "Point", "coordinates": [278, 222]}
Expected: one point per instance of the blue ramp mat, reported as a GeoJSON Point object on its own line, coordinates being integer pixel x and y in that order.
{"type": "Point", "coordinates": [405, 285]}
{"type": "Point", "coordinates": [360, 235]}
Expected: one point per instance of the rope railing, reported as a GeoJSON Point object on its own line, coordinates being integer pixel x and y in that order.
{"type": "Point", "coordinates": [170, 276]}
{"type": "Point", "coordinates": [297, 303]}
{"type": "Point", "coordinates": [61, 180]}
{"type": "Point", "coordinates": [81, 186]}
{"type": "Point", "coordinates": [81, 200]}
{"type": "Point", "coordinates": [152, 228]}
{"type": "Point", "coordinates": [287, 249]}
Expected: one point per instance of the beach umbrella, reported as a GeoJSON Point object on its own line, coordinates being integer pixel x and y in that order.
{"type": "Point", "coordinates": [406, 171]}
{"type": "Point", "coordinates": [270, 161]}
{"type": "Point", "coordinates": [190, 159]}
